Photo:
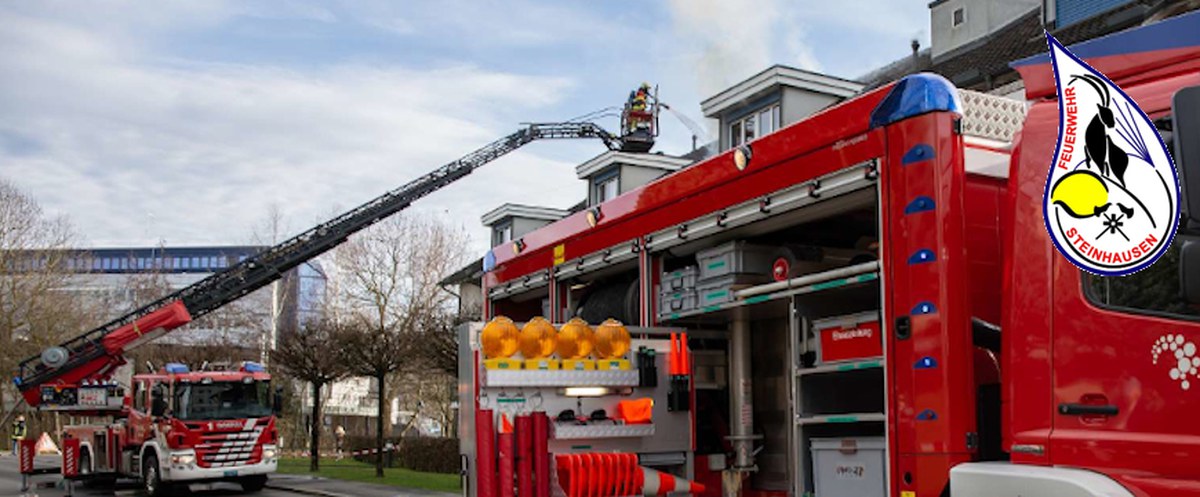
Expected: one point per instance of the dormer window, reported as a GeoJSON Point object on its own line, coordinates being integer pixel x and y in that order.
{"type": "Point", "coordinates": [958, 17]}
{"type": "Point", "coordinates": [502, 233]}
{"type": "Point", "coordinates": [761, 122]}
{"type": "Point", "coordinates": [607, 186]}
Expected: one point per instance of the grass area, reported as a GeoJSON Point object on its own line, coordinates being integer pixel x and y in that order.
{"type": "Point", "coordinates": [349, 469]}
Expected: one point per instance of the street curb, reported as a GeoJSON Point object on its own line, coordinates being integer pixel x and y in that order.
{"type": "Point", "coordinates": [305, 491]}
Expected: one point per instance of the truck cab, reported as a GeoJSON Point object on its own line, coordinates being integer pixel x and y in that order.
{"type": "Point", "coordinates": [180, 427]}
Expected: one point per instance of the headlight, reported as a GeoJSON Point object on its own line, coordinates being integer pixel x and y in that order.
{"type": "Point", "coordinates": [268, 452]}
{"type": "Point", "coordinates": [183, 458]}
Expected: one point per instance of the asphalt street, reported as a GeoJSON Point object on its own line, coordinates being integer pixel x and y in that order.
{"type": "Point", "coordinates": [45, 485]}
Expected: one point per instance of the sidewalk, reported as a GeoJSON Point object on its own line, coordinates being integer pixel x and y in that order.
{"type": "Point", "coordinates": [325, 487]}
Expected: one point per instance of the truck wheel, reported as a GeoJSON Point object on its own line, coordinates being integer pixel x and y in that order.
{"type": "Point", "coordinates": [151, 478]}
{"type": "Point", "coordinates": [85, 464]}
{"type": "Point", "coordinates": [253, 483]}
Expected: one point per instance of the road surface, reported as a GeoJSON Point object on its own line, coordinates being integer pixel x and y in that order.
{"type": "Point", "coordinates": [10, 484]}
{"type": "Point", "coordinates": [278, 486]}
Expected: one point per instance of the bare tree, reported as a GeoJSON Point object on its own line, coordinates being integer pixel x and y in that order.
{"type": "Point", "coordinates": [390, 276]}
{"type": "Point", "coordinates": [376, 353]}
{"type": "Point", "coordinates": [306, 355]}
{"type": "Point", "coordinates": [271, 230]}
{"type": "Point", "coordinates": [36, 311]}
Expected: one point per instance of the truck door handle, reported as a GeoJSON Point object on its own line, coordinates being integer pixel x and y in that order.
{"type": "Point", "coordinates": [1088, 409]}
{"type": "Point", "coordinates": [903, 328]}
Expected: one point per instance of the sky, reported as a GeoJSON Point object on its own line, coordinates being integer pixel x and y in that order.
{"type": "Point", "coordinates": [185, 123]}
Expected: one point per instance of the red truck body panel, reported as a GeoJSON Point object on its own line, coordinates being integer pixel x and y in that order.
{"type": "Point", "coordinates": [1072, 351]}
{"type": "Point", "coordinates": [827, 141]}
{"type": "Point", "coordinates": [984, 253]}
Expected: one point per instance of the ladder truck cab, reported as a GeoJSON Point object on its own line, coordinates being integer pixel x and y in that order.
{"type": "Point", "coordinates": [177, 427]}
{"type": "Point", "coordinates": [872, 306]}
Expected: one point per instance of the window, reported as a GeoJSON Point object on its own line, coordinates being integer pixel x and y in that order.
{"type": "Point", "coordinates": [766, 120]}
{"type": "Point", "coordinates": [606, 185]}
{"type": "Point", "coordinates": [195, 262]}
{"type": "Point", "coordinates": [607, 189]}
{"type": "Point", "coordinates": [1154, 290]}
{"type": "Point", "coordinates": [759, 123]}
{"type": "Point", "coordinates": [502, 233]}
{"type": "Point", "coordinates": [958, 17]}
{"type": "Point", "coordinates": [139, 396]}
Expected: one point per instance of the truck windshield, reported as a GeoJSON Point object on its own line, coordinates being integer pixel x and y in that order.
{"type": "Point", "coordinates": [226, 400]}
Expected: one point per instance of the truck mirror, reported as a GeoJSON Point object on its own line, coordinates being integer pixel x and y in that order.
{"type": "Point", "coordinates": [1186, 127]}
{"type": "Point", "coordinates": [277, 401]}
{"type": "Point", "coordinates": [1189, 270]}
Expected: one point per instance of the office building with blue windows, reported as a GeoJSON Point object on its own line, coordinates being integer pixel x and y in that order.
{"type": "Point", "coordinates": [116, 280]}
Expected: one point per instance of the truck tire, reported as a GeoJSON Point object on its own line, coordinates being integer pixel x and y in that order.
{"type": "Point", "coordinates": [253, 483]}
{"type": "Point", "coordinates": [152, 482]}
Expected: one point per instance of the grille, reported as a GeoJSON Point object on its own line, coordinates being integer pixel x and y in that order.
{"type": "Point", "coordinates": [233, 448]}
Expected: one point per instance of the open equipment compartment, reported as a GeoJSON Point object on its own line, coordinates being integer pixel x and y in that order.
{"type": "Point", "coordinates": [781, 274]}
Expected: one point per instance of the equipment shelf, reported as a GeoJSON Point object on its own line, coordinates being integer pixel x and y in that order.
{"type": "Point", "coordinates": [839, 278]}
{"type": "Point", "coordinates": [559, 378]}
{"type": "Point", "coordinates": [855, 417]}
{"type": "Point", "coordinates": [583, 432]}
{"type": "Point", "coordinates": [869, 363]}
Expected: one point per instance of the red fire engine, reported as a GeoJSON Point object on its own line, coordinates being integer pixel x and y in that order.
{"type": "Point", "coordinates": [873, 308]}
{"type": "Point", "coordinates": [178, 426]}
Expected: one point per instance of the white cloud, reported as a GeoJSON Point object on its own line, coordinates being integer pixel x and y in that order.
{"type": "Point", "coordinates": [194, 153]}
{"type": "Point", "coordinates": [105, 118]}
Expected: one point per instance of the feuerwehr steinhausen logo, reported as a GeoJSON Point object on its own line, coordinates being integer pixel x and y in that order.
{"type": "Point", "coordinates": [1112, 197]}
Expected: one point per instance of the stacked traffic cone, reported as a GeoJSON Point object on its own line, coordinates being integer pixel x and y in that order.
{"type": "Point", "coordinates": [614, 475]}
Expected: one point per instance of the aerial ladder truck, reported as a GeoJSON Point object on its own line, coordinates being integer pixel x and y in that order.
{"type": "Point", "coordinates": [176, 426]}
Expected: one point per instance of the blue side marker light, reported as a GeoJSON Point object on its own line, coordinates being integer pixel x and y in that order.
{"type": "Point", "coordinates": [922, 256]}
{"type": "Point", "coordinates": [919, 204]}
{"type": "Point", "coordinates": [919, 152]}
{"type": "Point", "coordinates": [925, 363]}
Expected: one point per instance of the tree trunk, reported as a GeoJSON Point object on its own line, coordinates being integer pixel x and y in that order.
{"type": "Point", "coordinates": [314, 449]}
{"type": "Point", "coordinates": [379, 429]}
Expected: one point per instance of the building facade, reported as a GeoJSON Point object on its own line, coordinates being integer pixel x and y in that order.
{"type": "Point", "coordinates": [774, 98]}
{"type": "Point", "coordinates": [118, 280]}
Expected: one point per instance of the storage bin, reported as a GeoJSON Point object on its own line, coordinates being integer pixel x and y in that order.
{"type": "Point", "coordinates": [849, 467]}
{"type": "Point", "coordinates": [676, 302]}
{"type": "Point", "coordinates": [720, 290]}
{"type": "Point", "coordinates": [735, 257]}
{"type": "Point", "coordinates": [848, 338]}
{"type": "Point", "coordinates": [680, 279]}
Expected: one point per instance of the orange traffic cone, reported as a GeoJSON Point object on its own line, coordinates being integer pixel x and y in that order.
{"type": "Point", "coordinates": [615, 475]}
{"type": "Point", "coordinates": [655, 483]}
